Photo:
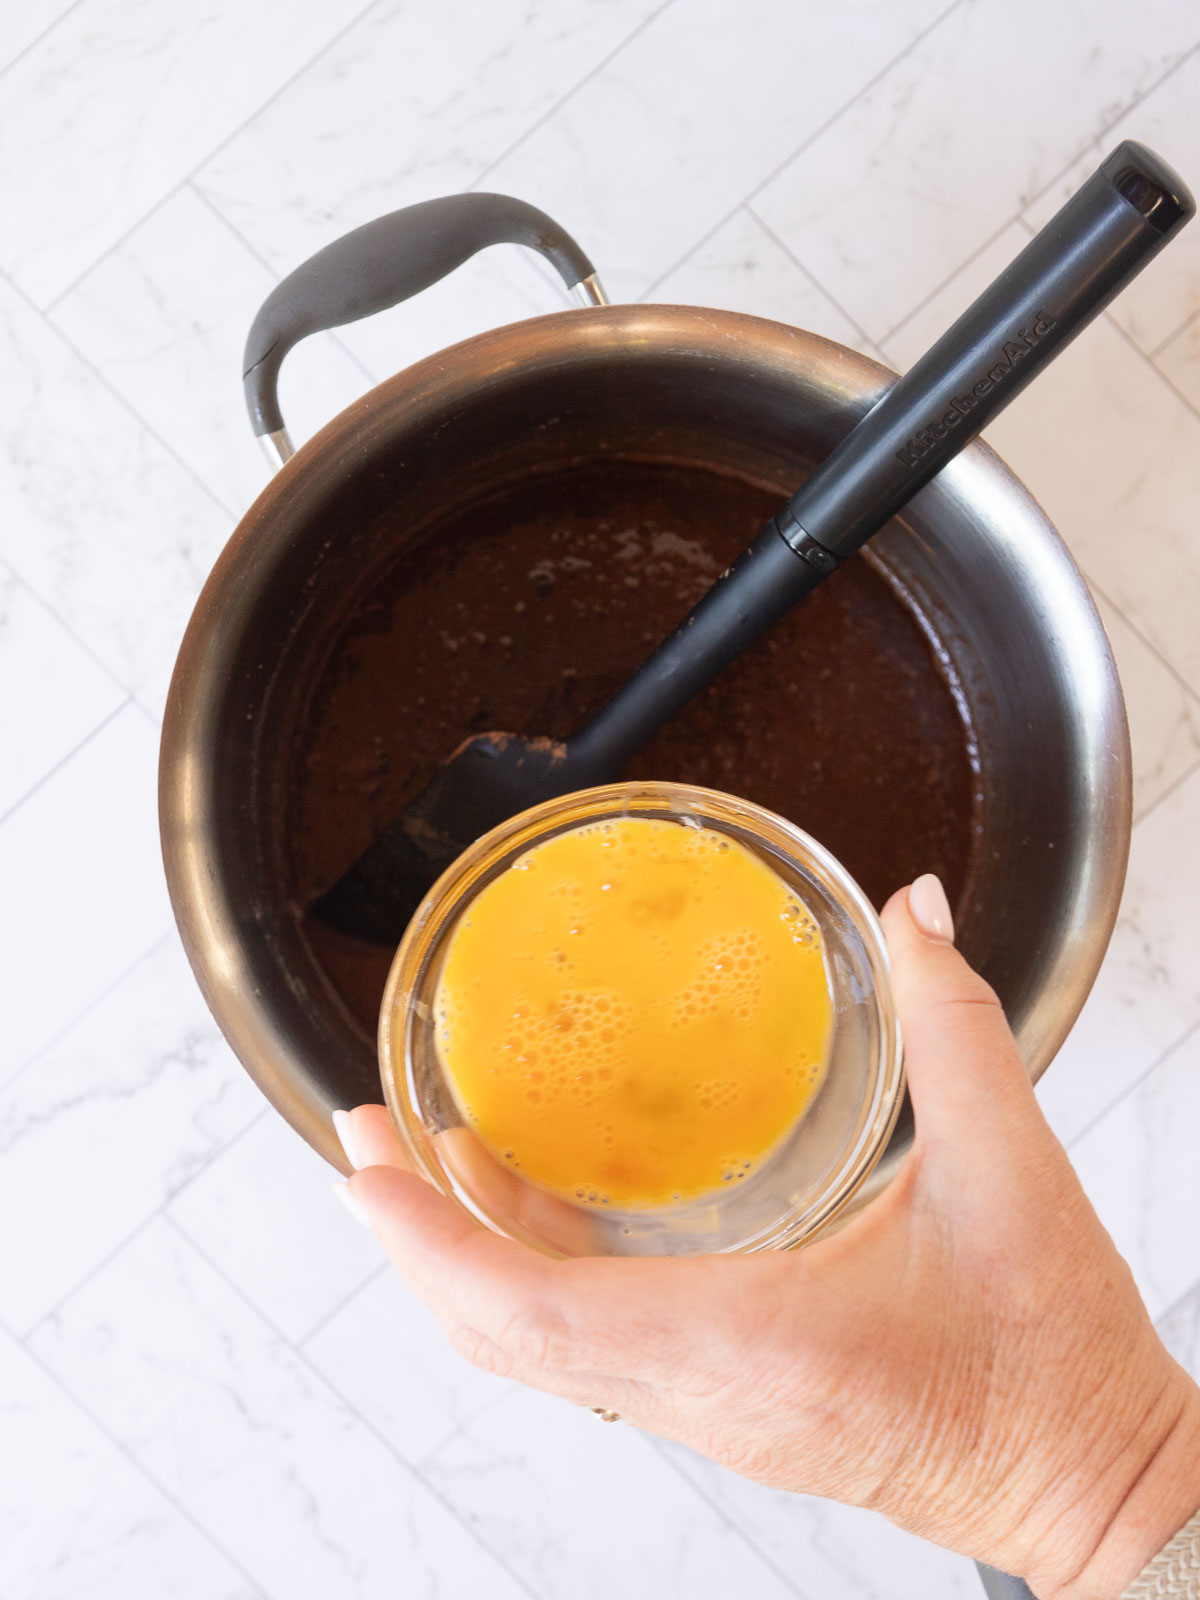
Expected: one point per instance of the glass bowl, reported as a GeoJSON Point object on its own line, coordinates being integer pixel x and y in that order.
{"type": "Point", "coordinates": [810, 1175]}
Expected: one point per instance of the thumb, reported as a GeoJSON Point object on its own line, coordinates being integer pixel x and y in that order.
{"type": "Point", "coordinates": [966, 1078]}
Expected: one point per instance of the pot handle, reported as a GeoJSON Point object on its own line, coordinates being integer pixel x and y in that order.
{"type": "Point", "coordinates": [382, 263]}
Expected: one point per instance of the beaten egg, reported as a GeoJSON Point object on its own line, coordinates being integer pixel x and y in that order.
{"type": "Point", "coordinates": [636, 1012]}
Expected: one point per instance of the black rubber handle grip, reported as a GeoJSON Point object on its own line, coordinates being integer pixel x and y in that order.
{"type": "Point", "coordinates": [1105, 234]}
{"type": "Point", "coordinates": [382, 263]}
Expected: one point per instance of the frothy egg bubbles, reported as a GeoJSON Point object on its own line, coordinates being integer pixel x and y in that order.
{"type": "Point", "coordinates": [636, 1013]}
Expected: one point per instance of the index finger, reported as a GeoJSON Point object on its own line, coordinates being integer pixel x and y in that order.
{"type": "Point", "coordinates": [631, 1319]}
{"type": "Point", "coordinates": [369, 1139]}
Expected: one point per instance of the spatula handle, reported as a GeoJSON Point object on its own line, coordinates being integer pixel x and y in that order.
{"type": "Point", "coordinates": [1105, 234]}
{"type": "Point", "coordinates": [1085, 255]}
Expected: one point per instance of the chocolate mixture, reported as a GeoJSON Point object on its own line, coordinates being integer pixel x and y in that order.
{"type": "Point", "coordinates": [525, 612]}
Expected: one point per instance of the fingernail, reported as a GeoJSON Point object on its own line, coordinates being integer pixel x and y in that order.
{"type": "Point", "coordinates": [930, 910]}
{"type": "Point", "coordinates": [351, 1202]}
{"type": "Point", "coordinates": [344, 1129]}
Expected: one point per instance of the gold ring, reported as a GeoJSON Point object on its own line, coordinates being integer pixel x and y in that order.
{"type": "Point", "coordinates": [604, 1414]}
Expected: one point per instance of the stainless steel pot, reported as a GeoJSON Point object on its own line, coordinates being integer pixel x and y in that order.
{"type": "Point", "coordinates": [671, 382]}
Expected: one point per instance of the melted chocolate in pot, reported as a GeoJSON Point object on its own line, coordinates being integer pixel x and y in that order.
{"type": "Point", "coordinates": [527, 611]}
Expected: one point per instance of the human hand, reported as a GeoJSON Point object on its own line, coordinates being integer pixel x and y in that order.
{"type": "Point", "coordinates": [968, 1355]}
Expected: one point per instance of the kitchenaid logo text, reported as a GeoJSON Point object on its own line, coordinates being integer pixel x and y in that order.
{"type": "Point", "coordinates": [1015, 350]}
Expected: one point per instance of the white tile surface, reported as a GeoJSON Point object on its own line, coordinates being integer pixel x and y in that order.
{"type": "Point", "coordinates": [264, 1210]}
{"type": "Point", "coordinates": [1164, 714]}
{"type": "Point", "coordinates": [84, 896]}
{"type": "Point", "coordinates": [581, 1508]}
{"type": "Point", "coordinates": [126, 1107]}
{"type": "Point", "coordinates": [385, 1351]}
{"type": "Point", "coordinates": [743, 268]}
{"type": "Point", "coordinates": [165, 318]}
{"type": "Point", "coordinates": [116, 106]}
{"type": "Point", "coordinates": [1128, 480]}
{"type": "Point", "coordinates": [839, 168]}
{"type": "Point", "coordinates": [1104, 443]}
{"type": "Point", "coordinates": [915, 175]}
{"type": "Point", "coordinates": [341, 148]}
{"type": "Point", "coordinates": [1138, 1165]}
{"type": "Point", "coordinates": [78, 1518]}
{"type": "Point", "coordinates": [642, 175]}
{"type": "Point", "coordinates": [1180, 1330]}
{"type": "Point", "coordinates": [295, 1486]}
{"type": "Point", "coordinates": [1179, 361]}
{"type": "Point", "coordinates": [1148, 991]}
{"type": "Point", "coordinates": [52, 693]}
{"type": "Point", "coordinates": [95, 515]}
{"type": "Point", "coordinates": [943, 302]}
{"type": "Point", "coordinates": [411, 103]}
{"type": "Point", "coordinates": [24, 23]}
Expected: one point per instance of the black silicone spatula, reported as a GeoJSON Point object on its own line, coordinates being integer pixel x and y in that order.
{"type": "Point", "coordinates": [1116, 223]}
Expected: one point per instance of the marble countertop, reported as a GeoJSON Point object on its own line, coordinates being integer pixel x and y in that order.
{"type": "Point", "coordinates": [209, 1387]}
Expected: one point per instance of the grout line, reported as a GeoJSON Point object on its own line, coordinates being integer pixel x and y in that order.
{"type": "Point", "coordinates": [158, 1213]}
{"type": "Point", "coordinates": [53, 771]}
{"type": "Point", "coordinates": [961, 267]}
{"type": "Point", "coordinates": [666, 1455]}
{"type": "Point", "coordinates": [143, 1471]}
{"type": "Point", "coordinates": [65, 625]}
{"type": "Point", "coordinates": [1133, 627]}
{"type": "Point", "coordinates": [812, 277]}
{"type": "Point", "coordinates": [1183, 327]}
{"type": "Point", "coordinates": [461, 1428]}
{"type": "Point", "coordinates": [323, 1378]}
{"type": "Point", "coordinates": [153, 717]}
{"type": "Point", "coordinates": [1155, 369]}
{"type": "Point", "coordinates": [372, 378]}
{"type": "Point", "coordinates": [327, 1317]}
{"type": "Point", "coordinates": [78, 1017]}
{"type": "Point", "coordinates": [659, 1446]}
{"type": "Point", "coordinates": [1163, 1055]}
{"type": "Point", "coordinates": [580, 83]}
{"type": "Point", "coordinates": [1192, 694]}
{"type": "Point", "coordinates": [151, 432]}
{"type": "Point", "coordinates": [752, 194]}
{"type": "Point", "coordinates": [230, 227]}
{"type": "Point", "coordinates": [189, 178]}
{"type": "Point", "coordinates": [126, 405]}
{"type": "Point", "coordinates": [209, 155]}
{"type": "Point", "coordinates": [1165, 1316]}
{"type": "Point", "coordinates": [261, 1115]}
{"type": "Point", "coordinates": [56, 300]}
{"type": "Point", "coordinates": [1171, 788]}
{"type": "Point", "coordinates": [37, 39]}
{"type": "Point", "coordinates": [1019, 216]}
{"type": "Point", "coordinates": [1093, 144]}
{"type": "Point", "coordinates": [1020, 220]}
{"type": "Point", "coordinates": [92, 1272]}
